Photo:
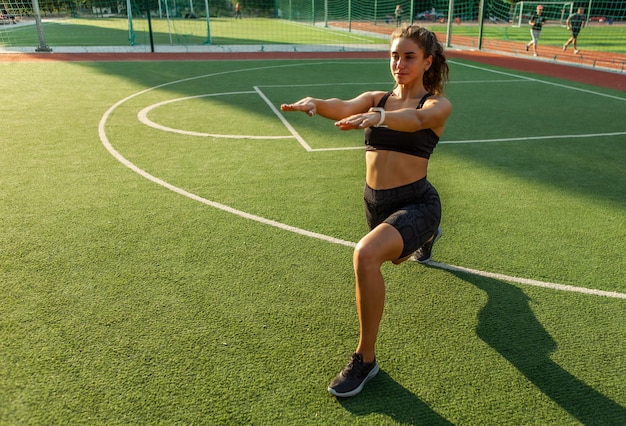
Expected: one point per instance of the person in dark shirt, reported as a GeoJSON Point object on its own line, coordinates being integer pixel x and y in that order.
{"type": "Point", "coordinates": [536, 23]}
{"type": "Point", "coordinates": [575, 23]}
{"type": "Point", "coordinates": [403, 210]}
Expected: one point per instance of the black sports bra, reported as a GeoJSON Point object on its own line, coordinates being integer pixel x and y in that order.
{"type": "Point", "coordinates": [421, 143]}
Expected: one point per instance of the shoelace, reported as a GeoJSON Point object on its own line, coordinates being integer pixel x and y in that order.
{"type": "Point", "coordinates": [354, 367]}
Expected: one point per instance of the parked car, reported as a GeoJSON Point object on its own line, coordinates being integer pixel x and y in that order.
{"type": "Point", "coordinates": [430, 15]}
{"type": "Point", "coordinates": [6, 17]}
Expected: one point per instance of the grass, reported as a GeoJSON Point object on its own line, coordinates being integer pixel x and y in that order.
{"type": "Point", "coordinates": [259, 31]}
{"type": "Point", "coordinates": [126, 303]}
{"type": "Point", "coordinates": [223, 31]}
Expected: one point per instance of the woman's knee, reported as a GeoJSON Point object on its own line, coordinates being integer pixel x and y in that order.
{"type": "Point", "coordinates": [376, 248]}
{"type": "Point", "coordinates": [365, 255]}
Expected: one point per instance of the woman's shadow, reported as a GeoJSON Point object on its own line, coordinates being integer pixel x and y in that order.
{"type": "Point", "coordinates": [386, 396]}
{"type": "Point", "coordinates": [507, 324]}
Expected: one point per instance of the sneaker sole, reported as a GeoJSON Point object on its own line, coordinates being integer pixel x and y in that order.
{"type": "Point", "coordinates": [359, 388]}
{"type": "Point", "coordinates": [437, 236]}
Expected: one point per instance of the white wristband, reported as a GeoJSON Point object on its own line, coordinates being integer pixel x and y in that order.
{"type": "Point", "coordinates": [381, 111]}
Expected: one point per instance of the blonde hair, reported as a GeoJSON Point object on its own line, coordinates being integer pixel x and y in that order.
{"type": "Point", "coordinates": [437, 75]}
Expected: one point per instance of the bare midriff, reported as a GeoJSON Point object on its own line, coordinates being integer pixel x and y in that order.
{"type": "Point", "coordinates": [391, 169]}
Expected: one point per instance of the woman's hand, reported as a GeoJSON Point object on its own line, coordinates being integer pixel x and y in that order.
{"type": "Point", "coordinates": [306, 105]}
{"type": "Point", "coordinates": [359, 121]}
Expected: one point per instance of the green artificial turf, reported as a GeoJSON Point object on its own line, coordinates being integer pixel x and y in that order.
{"type": "Point", "coordinates": [124, 302]}
{"type": "Point", "coordinates": [220, 31]}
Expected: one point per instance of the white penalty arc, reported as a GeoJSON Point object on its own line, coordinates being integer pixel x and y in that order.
{"type": "Point", "coordinates": [142, 116]}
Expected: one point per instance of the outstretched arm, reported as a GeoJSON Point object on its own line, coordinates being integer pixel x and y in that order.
{"type": "Point", "coordinates": [333, 108]}
{"type": "Point", "coordinates": [433, 115]}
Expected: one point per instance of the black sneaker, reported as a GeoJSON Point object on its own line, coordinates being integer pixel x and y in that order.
{"type": "Point", "coordinates": [425, 252]}
{"type": "Point", "coordinates": [353, 377]}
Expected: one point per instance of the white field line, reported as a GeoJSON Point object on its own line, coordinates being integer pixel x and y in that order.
{"type": "Point", "coordinates": [142, 116]}
{"type": "Point", "coordinates": [389, 83]}
{"type": "Point", "coordinates": [530, 138]}
{"type": "Point", "coordinates": [516, 78]}
{"type": "Point", "coordinates": [289, 127]}
{"type": "Point", "coordinates": [526, 281]}
{"type": "Point", "coordinates": [119, 157]}
{"type": "Point", "coordinates": [326, 30]}
{"type": "Point", "coordinates": [540, 81]}
{"type": "Point", "coordinates": [521, 139]}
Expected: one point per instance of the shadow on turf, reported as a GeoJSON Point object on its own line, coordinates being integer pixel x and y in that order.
{"type": "Point", "coordinates": [386, 396]}
{"type": "Point", "coordinates": [508, 325]}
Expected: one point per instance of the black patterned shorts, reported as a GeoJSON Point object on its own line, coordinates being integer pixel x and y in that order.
{"type": "Point", "coordinates": [413, 209]}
